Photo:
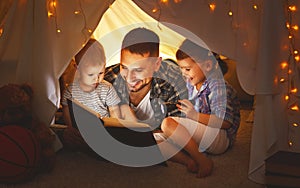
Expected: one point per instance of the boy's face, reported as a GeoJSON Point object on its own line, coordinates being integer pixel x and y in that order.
{"type": "Point", "coordinates": [90, 76]}
{"type": "Point", "coordinates": [192, 71]}
{"type": "Point", "coordinates": [138, 70]}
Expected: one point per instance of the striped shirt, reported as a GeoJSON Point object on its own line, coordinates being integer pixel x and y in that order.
{"type": "Point", "coordinates": [98, 100]}
{"type": "Point", "coordinates": [217, 97]}
{"type": "Point", "coordinates": [167, 87]}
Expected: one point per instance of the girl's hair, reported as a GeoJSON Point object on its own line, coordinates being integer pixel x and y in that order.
{"type": "Point", "coordinates": [91, 54]}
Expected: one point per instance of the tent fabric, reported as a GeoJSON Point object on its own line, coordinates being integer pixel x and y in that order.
{"type": "Point", "coordinates": [31, 50]}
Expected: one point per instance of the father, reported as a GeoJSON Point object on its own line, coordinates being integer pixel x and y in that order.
{"type": "Point", "coordinates": [150, 86]}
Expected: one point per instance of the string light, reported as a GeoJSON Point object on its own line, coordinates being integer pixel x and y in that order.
{"type": "Point", "coordinates": [295, 107]}
{"type": "Point", "coordinates": [255, 7]}
{"type": "Point", "coordinates": [154, 10]}
{"type": "Point", "coordinates": [294, 90]}
{"type": "Point", "coordinates": [292, 8]}
{"type": "Point", "coordinates": [177, 1]}
{"type": "Point", "coordinates": [1, 31]}
{"type": "Point", "coordinates": [212, 6]}
{"type": "Point", "coordinates": [284, 65]}
{"type": "Point", "coordinates": [286, 97]}
{"type": "Point", "coordinates": [291, 96]}
{"type": "Point", "coordinates": [52, 12]}
{"type": "Point", "coordinates": [76, 12]}
{"type": "Point", "coordinates": [295, 27]}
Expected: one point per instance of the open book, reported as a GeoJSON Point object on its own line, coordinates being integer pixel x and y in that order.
{"type": "Point", "coordinates": [108, 121]}
{"type": "Point", "coordinates": [127, 132]}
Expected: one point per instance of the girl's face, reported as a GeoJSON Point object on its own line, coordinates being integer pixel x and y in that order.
{"type": "Point", "coordinates": [90, 76]}
{"type": "Point", "coordinates": [193, 72]}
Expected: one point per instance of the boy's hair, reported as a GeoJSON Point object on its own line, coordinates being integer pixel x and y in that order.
{"type": "Point", "coordinates": [189, 49]}
{"type": "Point", "coordinates": [141, 41]}
{"type": "Point", "coordinates": [92, 54]}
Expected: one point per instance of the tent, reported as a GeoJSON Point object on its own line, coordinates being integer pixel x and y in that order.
{"type": "Point", "coordinates": [38, 39]}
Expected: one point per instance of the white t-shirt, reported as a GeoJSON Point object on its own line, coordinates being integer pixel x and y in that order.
{"type": "Point", "coordinates": [144, 111]}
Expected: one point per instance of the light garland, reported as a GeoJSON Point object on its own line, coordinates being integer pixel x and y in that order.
{"type": "Point", "coordinates": [289, 67]}
{"type": "Point", "coordinates": [52, 14]}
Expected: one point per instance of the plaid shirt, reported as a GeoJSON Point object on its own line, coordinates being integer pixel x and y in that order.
{"type": "Point", "coordinates": [217, 97]}
{"type": "Point", "coordinates": [167, 86]}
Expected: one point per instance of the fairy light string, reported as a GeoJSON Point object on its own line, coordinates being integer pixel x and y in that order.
{"type": "Point", "coordinates": [289, 67]}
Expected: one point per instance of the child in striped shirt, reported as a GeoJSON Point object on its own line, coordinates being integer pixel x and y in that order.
{"type": "Point", "coordinates": [90, 89]}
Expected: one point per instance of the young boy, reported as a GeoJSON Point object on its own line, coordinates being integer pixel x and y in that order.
{"type": "Point", "coordinates": [89, 88]}
{"type": "Point", "coordinates": [212, 111]}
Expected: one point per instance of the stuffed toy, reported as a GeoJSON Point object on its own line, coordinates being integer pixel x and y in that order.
{"type": "Point", "coordinates": [15, 109]}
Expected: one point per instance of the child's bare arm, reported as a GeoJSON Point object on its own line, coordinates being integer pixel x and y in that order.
{"type": "Point", "coordinates": [127, 113]}
{"type": "Point", "coordinates": [114, 111]}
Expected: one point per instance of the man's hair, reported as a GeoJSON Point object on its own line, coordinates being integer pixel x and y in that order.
{"type": "Point", "coordinates": [141, 41]}
{"type": "Point", "coordinates": [94, 51]}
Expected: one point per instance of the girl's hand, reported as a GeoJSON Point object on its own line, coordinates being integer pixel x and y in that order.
{"type": "Point", "coordinates": [187, 107]}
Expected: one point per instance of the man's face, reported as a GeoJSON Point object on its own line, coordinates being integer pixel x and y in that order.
{"type": "Point", "coordinates": [138, 69]}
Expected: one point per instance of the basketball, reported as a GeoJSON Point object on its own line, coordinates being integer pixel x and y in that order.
{"type": "Point", "coordinates": [19, 154]}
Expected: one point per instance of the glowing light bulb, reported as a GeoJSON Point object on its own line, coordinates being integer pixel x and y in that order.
{"type": "Point", "coordinates": [295, 125]}
{"type": "Point", "coordinates": [164, 1]}
{"type": "Point", "coordinates": [286, 97]}
{"type": "Point", "coordinates": [294, 90]}
{"type": "Point", "coordinates": [1, 31]}
{"type": "Point", "coordinates": [290, 36]}
{"type": "Point", "coordinates": [50, 14]}
{"type": "Point", "coordinates": [177, 1]}
{"type": "Point", "coordinates": [290, 71]}
{"type": "Point", "coordinates": [292, 8]}
{"type": "Point", "coordinates": [77, 12]}
{"type": "Point", "coordinates": [53, 4]}
{"type": "Point", "coordinates": [295, 27]}
{"type": "Point", "coordinates": [255, 7]}
{"type": "Point", "coordinates": [154, 10]}
{"type": "Point", "coordinates": [58, 30]}
{"type": "Point", "coordinates": [287, 25]}
{"type": "Point", "coordinates": [290, 143]}
{"type": "Point", "coordinates": [212, 6]}
{"type": "Point", "coordinates": [295, 108]}
{"type": "Point", "coordinates": [295, 51]}
{"type": "Point", "coordinates": [284, 65]}
{"type": "Point", "coordinates": [297, 57]}
{"type": "Point", "coordinates": [230, 13]}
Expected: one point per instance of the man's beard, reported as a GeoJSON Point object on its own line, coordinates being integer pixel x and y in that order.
{"type": "Point", "coordinates": [143, 84]}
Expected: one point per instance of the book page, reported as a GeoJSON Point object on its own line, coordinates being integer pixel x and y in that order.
{"type": "Point", "coordinates": [112, 122]}
{"type": "Point", "coordinates": [115, 122]}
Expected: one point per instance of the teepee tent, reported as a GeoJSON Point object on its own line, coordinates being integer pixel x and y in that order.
{"type": "Point", "coordinates": [38, 39]}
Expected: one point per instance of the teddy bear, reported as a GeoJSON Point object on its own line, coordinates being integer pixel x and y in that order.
{"type": "Point", "coordinates": [15, 109]}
